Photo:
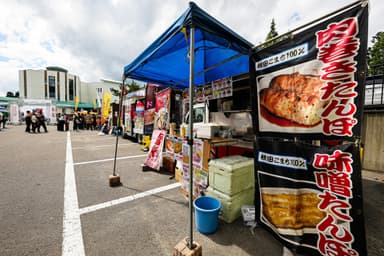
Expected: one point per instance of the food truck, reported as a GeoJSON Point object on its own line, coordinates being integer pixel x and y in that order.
{"type": "Point", "coordinates": [131, 125]}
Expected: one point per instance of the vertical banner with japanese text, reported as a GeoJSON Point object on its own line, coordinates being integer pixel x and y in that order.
{"type": "Point", "coordinates": [311, 84]}
{"type": "Point", "coordinates": [310, 196]}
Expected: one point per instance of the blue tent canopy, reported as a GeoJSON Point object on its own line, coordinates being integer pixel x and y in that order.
{"type": "Point", "coordinates": [219, 52]}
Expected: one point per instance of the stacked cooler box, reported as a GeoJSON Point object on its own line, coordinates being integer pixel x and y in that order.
{"type": "Point", "coordinates": [232, 181]}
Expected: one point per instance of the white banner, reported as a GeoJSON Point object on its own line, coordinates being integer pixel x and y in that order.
{"type": "Point", "coordinates": [14, 113]}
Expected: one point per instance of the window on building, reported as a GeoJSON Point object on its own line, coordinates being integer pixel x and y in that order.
{"type": "Point", "coordinates": [52, 87]}
{"type": "Point", "coordinates": [71, 95]}
{"type": "Point", "coordinates": [99, 95]}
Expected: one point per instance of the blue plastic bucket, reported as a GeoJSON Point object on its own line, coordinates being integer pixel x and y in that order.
{"type": "Point", "coordinates": [206, 214]}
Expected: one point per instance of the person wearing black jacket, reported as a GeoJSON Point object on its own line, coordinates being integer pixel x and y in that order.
{"type": "Point", "coordinates": [42, 120]}
{"type": "Point", "coordinates": [28, 121]}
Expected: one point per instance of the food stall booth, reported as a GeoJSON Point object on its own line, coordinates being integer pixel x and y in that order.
{"type": "Point", "coordinates": [130, 102]}
{"type": "Point", "coordinates": [308, 196]}
{"type": "Point", "coordinates": [195, 50]}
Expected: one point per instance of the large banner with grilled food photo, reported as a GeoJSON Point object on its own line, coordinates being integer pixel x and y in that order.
{"type": "Point", "coordinates": [310, 197]}
{"type": "Point", "coordinates": [311, 82]}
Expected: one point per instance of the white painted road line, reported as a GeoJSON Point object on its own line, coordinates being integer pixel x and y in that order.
{"type": "Point", "coordinates": [128, 198]}
{"type": "Point", "coordinates": [72, 236]}
{"type": "Point", "coordinates": [109, 159]}
{"type": "Point", "coordinates": [103, 146]}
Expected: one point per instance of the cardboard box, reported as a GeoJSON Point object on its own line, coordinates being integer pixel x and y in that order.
{"type": "Point", "coordinates": [169, 164]}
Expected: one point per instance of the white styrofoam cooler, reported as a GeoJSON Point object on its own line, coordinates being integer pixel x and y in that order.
{"type": "Point", "coordinates": [231, 174]}
{"type": "Point", "coordinates": [231, 205]}
{"type": "Point", "coordinates": [207, 130]}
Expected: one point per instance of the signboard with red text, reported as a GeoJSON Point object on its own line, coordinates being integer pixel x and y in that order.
{"type": "Point", "coordinates": [311, 84]}
{"type": "Point", "coordinates": [310, 197]}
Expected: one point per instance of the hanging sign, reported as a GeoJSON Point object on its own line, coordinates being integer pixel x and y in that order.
{"type": "Point", "coordinates": [310, 197]}
{"type": "Point", "coordinates": [311, 84]}
{"type": "Point", "coordinates": [163, 104]}
{"type": "Point", "coordinates": [222, 88]}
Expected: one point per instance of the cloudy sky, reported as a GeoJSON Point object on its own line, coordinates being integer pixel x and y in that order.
{"type": "Point", "coordinates": [96, 38]}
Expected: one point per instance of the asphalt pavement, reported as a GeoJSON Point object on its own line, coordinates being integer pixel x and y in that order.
{"type": "Point", "coordinates": [55, 200]}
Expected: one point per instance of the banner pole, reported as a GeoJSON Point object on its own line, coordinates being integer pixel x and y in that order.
{"type": "Point", "coordinates": [190, 132]}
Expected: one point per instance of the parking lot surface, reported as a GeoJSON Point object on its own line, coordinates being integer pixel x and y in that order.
{"type": "Point", "coordinates": [55, 200]}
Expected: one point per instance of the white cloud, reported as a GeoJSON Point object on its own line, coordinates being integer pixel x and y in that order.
{"type": "Point", "coordinates": [96, 39]}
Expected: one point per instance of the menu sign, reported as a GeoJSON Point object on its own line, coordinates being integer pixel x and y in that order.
{"type": "Point", "coordinates": [310, 197]}
{"type": "Point", "coordinates": [173, 148]}
{"type": "Point", "coordinates": [222, 88]}
{"type": "Point", "coordinates": [312, 83]}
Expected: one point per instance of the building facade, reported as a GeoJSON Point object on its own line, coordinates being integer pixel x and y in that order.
{"type": "Point", "coordinates": [55, 90]}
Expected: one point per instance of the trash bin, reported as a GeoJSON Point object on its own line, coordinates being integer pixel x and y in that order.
{"type": "Point", "coordinates": [206, 214]}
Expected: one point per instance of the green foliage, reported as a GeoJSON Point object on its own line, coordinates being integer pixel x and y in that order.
{"type": "Point", "coordinates": [131, 87]}
{"type": "Point", "coordinates": [12, 95]}
{"type": "Point", "coordinates": [376, 54]}
{"type": "Point", "coordinates": [272, 33]}
{"type": "Point", "coordinates": [115, 92]}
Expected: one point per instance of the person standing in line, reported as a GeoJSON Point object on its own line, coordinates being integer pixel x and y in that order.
{"type": "Point", "coordinates": [81, 123]}
{"type": "Point", "coordinates": [35, 122]}
{"type": "Point", "coordinates": [42, 120]}
{"type": "Point", "coordinates": [66, 122]}
{"type": "Point", "coordinates": [1, 119]}
{"type": "Point", "coordinates": [76, 122]}
{"type": "Point", "coordinates": [5, 118]}
{"type": "Point", "coordinates": [94, 124]}
{"type": "Point", "coordinates": [28, 122]}
{"type": "Point", "coordinates": [89, 122]}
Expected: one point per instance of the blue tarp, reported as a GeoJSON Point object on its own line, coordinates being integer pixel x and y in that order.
{"type": "Point", "coordinates": [219, 52]}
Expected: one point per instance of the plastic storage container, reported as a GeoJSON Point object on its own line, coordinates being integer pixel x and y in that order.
{"type": "Point", "coordinates": [231, 205]}
{"type": "Point", "coordinates": [231, 174]}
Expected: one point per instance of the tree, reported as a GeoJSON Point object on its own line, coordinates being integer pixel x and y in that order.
{"type": "Point", "coordinates": [13, 95]}
{"type": "Point", "coordinates": [376, 54]}
{"type": "Point", "coordinates": [132, 86]}
{"type": "Point", "coordinates": [271, 34]}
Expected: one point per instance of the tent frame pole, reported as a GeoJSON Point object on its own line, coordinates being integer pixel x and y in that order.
{"type": "Point", "coordinates": [118, 125]}
{"type": "Point", "coordinates": [190, 132]}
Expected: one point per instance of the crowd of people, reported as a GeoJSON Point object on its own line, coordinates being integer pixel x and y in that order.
{"type": "Point", "coordinates": [79, 120]}
{"type": "Point", "coordinates": [34, 121]}
{"type": "Point", "coordinates": [86, 121]}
